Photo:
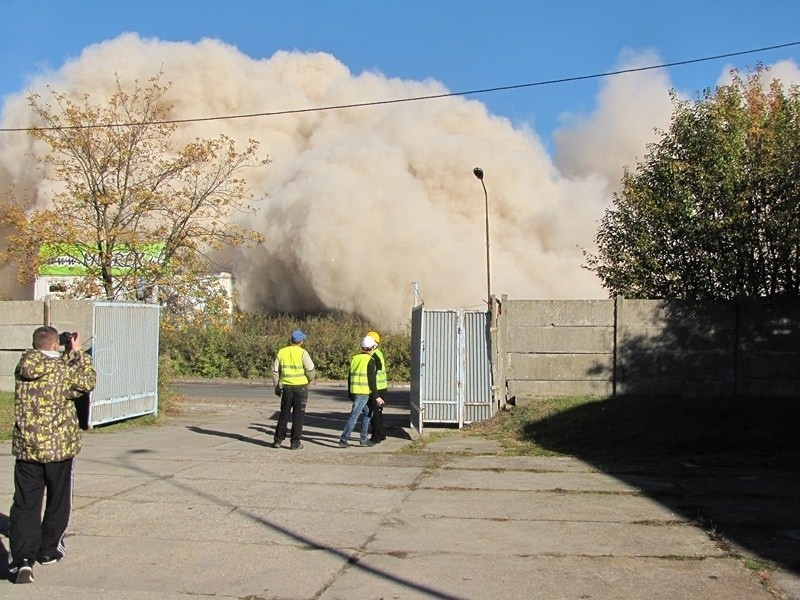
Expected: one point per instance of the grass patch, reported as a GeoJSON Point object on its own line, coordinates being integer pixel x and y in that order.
{"type": "Point", "coordinates": [167, 405]}
{"type": "Point", "coordinates": [512, 427]}
{"type": "Point", "coordinates": [419, 444]}
{"type": "Point", "coordinates": [759, 565]}
{"type": "Point", "coordinates": [128, 424]}
{"type": "Point", "coordinates": [6, 415]}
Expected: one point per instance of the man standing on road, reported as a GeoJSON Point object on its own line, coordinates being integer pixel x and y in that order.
{"type": "Point", "coordinates": [292, 371]}
{"type": "Point", "coordinates": [382, 383]}
{"type": "Point", "coordinates": [46, 439]}
{"type": "Point", "coordinates": [363, 389]}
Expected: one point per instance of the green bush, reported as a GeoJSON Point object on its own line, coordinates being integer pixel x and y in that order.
{"type": "Point", "coordinates": [166, 395]}
{"type": "Point", "coordinates": [245, 346]}
{"type": "Point", "coordinates": [396, 349]}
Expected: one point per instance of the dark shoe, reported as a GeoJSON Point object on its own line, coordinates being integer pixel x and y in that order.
{"type": "Point", "coordinates": [343, 444]}
{"type": "Point", "coordinates": [368, 443]}
{"type": "Point", "coordinates": [376, 440]}
{"type": "Point", "coordinates": [50, 560]}
{"type": "Point", "coordinates": [23, 571]}
{"type": "Point", "coordinates": [275, 444]}
{"type": "Point", "coordinates": [297, 446]}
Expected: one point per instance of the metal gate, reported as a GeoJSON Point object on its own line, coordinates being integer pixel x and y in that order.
{"type": "Point", "coordinates": [451, 374]}
{"type": "Point", "coordinates": [125, 356]}
{"type": "Point", "coordinates": [417, 360]}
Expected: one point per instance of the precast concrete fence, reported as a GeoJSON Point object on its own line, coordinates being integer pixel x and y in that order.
{"type": "Point", "coordinates": [558, 348]}
{"type": "Point", "coordinates": [19, 318]}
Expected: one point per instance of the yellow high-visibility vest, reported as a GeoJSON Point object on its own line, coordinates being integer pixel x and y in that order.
{"type": "Point", "coordinates": [291, 365]}
{"type": "Point", "coordinates": [359, 381]}
{"type": "Point", "coordinates": [381, 378]}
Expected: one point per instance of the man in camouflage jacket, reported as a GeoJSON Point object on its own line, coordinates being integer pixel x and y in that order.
{"type": "Point", "coordinates": [46, 438]}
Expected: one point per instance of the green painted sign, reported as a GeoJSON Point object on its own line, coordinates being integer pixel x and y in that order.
{"type": "Point", "coordinates": [72, 259]}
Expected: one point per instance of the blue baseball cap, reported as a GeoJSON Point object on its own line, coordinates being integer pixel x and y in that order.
{"type": "Point", "coordinates": [298, 336]}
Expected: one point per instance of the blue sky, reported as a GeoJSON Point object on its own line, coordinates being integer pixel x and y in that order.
{"type": "Point", "coordinates": [465, 44]}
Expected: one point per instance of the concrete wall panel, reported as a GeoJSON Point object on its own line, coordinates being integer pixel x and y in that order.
{"type": "Point", "coordinates": [649, 347]}
{"type": "Point", "coordinates": [679, 365]}
{"type": "Point", "coordinates": [769, 387]}
{"type": "Point", "coordinates": [523, 392]}
{"type": "Point", "coordinates": [670, 386]}
{"type": "Point", "coordinates": [17, 337]}
{"type": "Point", "coordinates": [73, 315]}
{"type": "Point", "coordinates": [658, 312]}
{"type": "Point", "coordinates": [8, 362]}
{"type": "Point", "coordinates": [559, 367]}
{"type": "Point", "coordinates": [772, 365]}
{"type": "Point", "coordinates": [18, 319]}
{"type": "Point", "coordinates": [563, 340]}
{"type": "Point", "coordinates": [764, 330]}
{"type": "Point", "coordinates": [22, 312]}
{"type": "Point", "coordinates": [541, 313]}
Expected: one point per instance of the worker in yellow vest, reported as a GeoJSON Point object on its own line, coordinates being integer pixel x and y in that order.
{"type": "Point", "coordinates": [382, 383]}
{"type": "Point", "coordinates": [292, 371]}
{"type": "Point", "coordinates": [362, 388]}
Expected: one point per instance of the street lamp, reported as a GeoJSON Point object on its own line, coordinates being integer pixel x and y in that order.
{"type": "Point", "coordinates": [479, 174]}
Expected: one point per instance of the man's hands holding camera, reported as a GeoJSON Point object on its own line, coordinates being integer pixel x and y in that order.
{"type": "Point", "coordinates": [71, 340]}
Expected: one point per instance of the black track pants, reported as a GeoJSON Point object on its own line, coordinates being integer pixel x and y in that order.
{"type": "Point", "coordinates": [33, 535]}
{"type": "Point", "coordinates": [293, 400]}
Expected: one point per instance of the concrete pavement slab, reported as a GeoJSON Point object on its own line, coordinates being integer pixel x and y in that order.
{"type": "Point", "coordinates": [67, 591]}
{"type": "Point", "coordinates": [120, 465]}
{"type": "Point", "coordinates": [543, 505]}
{"type": "Point", "coordinates": [475, 536]}
{"type": "Point", "coordinates": [276, 472]}
{"type": "Point", "coordinates": [543, 464]}
{"type": "Point", "coordinates": [191, 569]}
{"type": "Point", "coordinates": [495, 479]}
{"type": "Point", "coordinates": [267, 494]}
{"type": "Point", "coordinates": [464, 444]}
{"type": "Point", "coordinates": [455, 577]}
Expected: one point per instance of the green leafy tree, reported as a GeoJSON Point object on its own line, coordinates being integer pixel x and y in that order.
{"type": "Point", "coordinates": [712, 211]}
{"type": "Point", "coordinates": [124, 189]}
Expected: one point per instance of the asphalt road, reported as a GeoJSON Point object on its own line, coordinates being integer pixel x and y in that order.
{"type": "Point", "coordinates": [326, 400]}
{"type": "Point", "coordinates": [222, 390]}
{"type": "Point", "coordinates": [226, 390]}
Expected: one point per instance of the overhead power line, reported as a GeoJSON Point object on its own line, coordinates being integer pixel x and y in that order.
{"type": "Point", "coordinates": [421, 98]}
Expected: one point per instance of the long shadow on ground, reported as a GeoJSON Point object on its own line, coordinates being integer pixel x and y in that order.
{"type": "Point", "coordinates": [730, 464]}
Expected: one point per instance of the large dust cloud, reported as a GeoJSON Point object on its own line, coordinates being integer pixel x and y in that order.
{"type": "Point", "coordinates": [358, 203]}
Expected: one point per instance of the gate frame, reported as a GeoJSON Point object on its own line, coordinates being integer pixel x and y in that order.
{"type": "Point", "coordinates": [448, 351]}
{"type": "Point", "coordinates": [137, 357]}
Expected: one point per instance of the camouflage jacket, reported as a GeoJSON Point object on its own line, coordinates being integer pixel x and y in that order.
{"type": "Point", "coordinates": [46, 427]}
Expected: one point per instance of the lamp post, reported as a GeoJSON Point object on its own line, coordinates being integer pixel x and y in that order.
{"type": "Point", "coordinates": [479, 174]}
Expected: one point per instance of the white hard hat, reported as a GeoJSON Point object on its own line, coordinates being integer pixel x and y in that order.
{"type": "Point", "coordinates": [368, 343]}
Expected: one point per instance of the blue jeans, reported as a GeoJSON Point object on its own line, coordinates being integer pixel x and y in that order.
{"type": "Point", "coordinates": [359, 410]}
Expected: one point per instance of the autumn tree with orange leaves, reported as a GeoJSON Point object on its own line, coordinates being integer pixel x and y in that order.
{"type": "Point", "coordinates": [713, 211]}
{"type": "Point", "coordinates": [126, 192]}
